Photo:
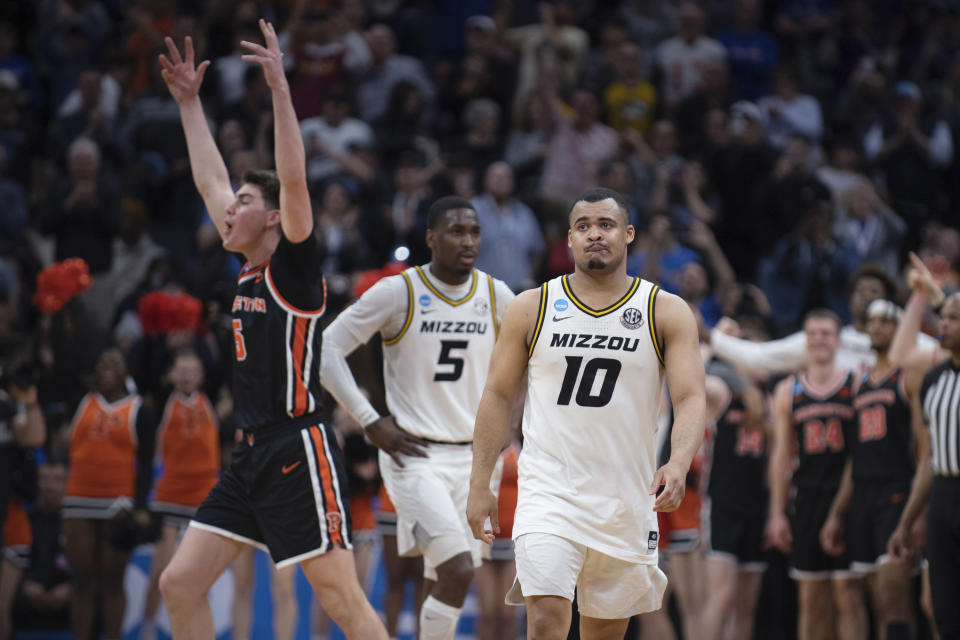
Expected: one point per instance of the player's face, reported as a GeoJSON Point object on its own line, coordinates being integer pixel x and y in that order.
{"type": "Point", "coordinates": [881, 332]}
{"type": "Point", "coordinates": [110, 373]}
{"type": "Point", "coordinates": [598, 236]}
{"type": "Point", "coordinates": [187, 374]}
{"type": "Point", "coordinates": [865, 291]}
{"type": "Point", "coordinates": [454, 241]}
{"type": "Point", "coordinates": [949, 325]}
{"type": "Point", "coordinates": [246, 219]}
{"type": "Point", "coordinates": [822, 339]}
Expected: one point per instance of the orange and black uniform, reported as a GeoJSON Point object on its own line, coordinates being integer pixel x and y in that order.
{"type": "Point", "coordinates": [111, 457]}
{"type": "Point", "coordinates": [189, 442]}
{"type": "Point", "coordinates": [17, 535]}
{"type": "Point", "coordinates": [883, 465]}
{"type": "Point", "coordinates": [285, 488]}
{"type": "Point", "coordinates": [823, 424]}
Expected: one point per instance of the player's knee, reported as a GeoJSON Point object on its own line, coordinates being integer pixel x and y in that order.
{"type": "Point", "coordinates": [893, 601]}
{"type": "Point", "coordinates": [455, 575]}
{"type": "Point", "coordinates": [545, 627]}
{"type": "Point", "coordinates": [177, 588]}
{"type": "Point", "coordinates": [847, 596]}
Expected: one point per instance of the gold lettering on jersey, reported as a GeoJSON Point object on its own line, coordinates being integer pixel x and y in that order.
{"type": "Point", "coordinates": [452, 326]}
{"type": "Point", "coordinates": [594, 341]}
{"type": "Point", "coordinates": [823, 410]}
{"type": "Point", "coordinates": [243, 303]}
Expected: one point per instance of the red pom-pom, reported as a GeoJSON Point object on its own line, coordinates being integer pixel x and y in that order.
{"type": "Point", "coordinates": [59, 283]}
{"type": "Point", "coordinates": [369, 278]}
{"type": "Point", "coordinates": [163, 312]}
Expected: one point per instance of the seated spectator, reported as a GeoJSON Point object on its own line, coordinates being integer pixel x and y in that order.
{"type": "Point", "coordinates": [375, 87]}
{"type": "Point", "coordinates": [513, 244]}
{"type": "Point", "coordinates": [679, 59]}
{"type": "Point", "coordinates": [480, 145]}
{"type": "Point", "coordinates": [843, 171]}
{"type": "Point", "coordinates": [788, 112]}
{"type": "Point", "coordinates": [873, 229]}
{"type": "Point", "coordinates": [83, 211]}
{"type": "Point", "coordinates": [44, 596]}
{"type": "Point", "coordinates": [629, 100]}
{"type": "Point", "coordinates": [751, 51]}
{"type": "Point", "coordinates": [329, 137]}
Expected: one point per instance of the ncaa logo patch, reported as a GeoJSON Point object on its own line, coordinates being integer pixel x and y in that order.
{"type": "Point", "coordinates": [425, 300]}
{"type": "Point", "coordinates": [480, 306]}
{"type": "Point", "coordinates": [631, 318]}
{"type": "Point", "coordinates": [561, 305]}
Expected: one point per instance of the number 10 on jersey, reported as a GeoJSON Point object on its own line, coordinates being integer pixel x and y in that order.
{"type": "Point", "coordinates": [586, 397]}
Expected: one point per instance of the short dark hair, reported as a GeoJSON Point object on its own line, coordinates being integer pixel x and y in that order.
{"type": "Point", "coordinates": [439, 208]}
{"type": "Point", "coordinates": [875, 272]}
{"type": "Point", "coordinates": [268, 183]}
{"type": "Point", "coordinates": [823, 313]}
{"type": "Point", "coordinates": [599, 194]}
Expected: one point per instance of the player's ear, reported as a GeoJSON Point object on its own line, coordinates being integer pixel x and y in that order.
{"type": "Point", "coordinates": [570, 238]}
{"type": "Point", "coordinates": [273, 218]}
{"type": "Point", "coordinates": [431, 236]}
{"type": "Point", "coordinates": [631, 232]}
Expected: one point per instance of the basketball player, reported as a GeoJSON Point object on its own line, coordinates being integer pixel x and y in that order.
{"type": "Point", "coordinates": [812, 419]}
{"type": "Point", "coordinates": [439, 323]}
{"type": "Point", "coordinates": [284, 489]}
{"type": "Point", "coordinates": [594, 347]}
{"type": "Point", "coordinates": [876, 482]}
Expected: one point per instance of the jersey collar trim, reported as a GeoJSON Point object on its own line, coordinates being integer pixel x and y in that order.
{"type": "Point", "coordinates": [434, 291]}
{"type": "Point", "coordinates": [599, 312]}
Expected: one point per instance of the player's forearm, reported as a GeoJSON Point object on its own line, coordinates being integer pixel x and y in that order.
{"type": "Point", "coordinates": [29, 428]}
{"type": "Point", "coordinates": [688, 428]}
{"type": "Point", "coordinates": [919, 493]}
{"type": "Point", "coordinates": [904, 344]}
{"type": "Point", "coordinates": [777, 356]}
{"type": "Point", "coordinates": [490, 435]}
{"type": "Point", "coordinates": [336, 377]}
{"type": "Point", "coordinates": [206, 164]}
{"type": "Point", "coordinates": [290, 155]}
{"type": "Point", "coordinates": [779, 486]}
{"type": "Point", "coordinates": [841, 502]}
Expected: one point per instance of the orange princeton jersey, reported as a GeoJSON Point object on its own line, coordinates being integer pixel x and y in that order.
{"type": "Point", "coordinates": [16, 529]}
{"type": "Point", "coordinates": [507, 499]}
{"type": "Point", "coordinates": [189, 441]}
{"type": "Point", "coordinates": [103, 447]}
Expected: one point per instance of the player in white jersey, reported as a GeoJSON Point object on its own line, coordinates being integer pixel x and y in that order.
{"type": "Point", "coordinates": [594, 347]}
{"type": "Point", "coordinates": [439, 323]}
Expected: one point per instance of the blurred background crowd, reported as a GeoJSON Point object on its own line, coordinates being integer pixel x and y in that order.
{"type": "Point", "coordinates": [768, 149]}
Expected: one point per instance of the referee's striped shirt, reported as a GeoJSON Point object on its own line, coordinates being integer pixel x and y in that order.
{"type": "Point", "coordinates": [941, 411]}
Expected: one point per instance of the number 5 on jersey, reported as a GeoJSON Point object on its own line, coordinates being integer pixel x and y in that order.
{"type": "Point", "coordinates": [446, 346]}
{"type": "Point", "coordinates": [239, 345]}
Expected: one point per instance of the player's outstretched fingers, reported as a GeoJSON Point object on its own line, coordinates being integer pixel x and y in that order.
{"type": "Point", "coordinates": [172, 48]}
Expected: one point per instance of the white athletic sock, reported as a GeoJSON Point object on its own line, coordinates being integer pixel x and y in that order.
{"type": "Point", "coordinates": [438, 621]}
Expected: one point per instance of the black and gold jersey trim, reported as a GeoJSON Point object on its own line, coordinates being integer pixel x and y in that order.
{"type": "Point", "coordinates": [596, 313]}
{"type": "Point", "coordinates": [541, 314]}
{"type": "Point", "coordinates": [493, 307]}
{"type": "Point", "coordinates": [406, 323]}
{"type": "Point", "coordinates": [652, 321]}
{"type": "Point", "coordinates": [433, 290]}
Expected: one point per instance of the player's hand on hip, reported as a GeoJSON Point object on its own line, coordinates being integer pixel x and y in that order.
{"type": "Point", "coordinates": [482, 504]}
{"type": "Point", "coordinates": [673, 479]}
{"type": "Point", "coordinates": [269, 57]}
{"type": "Point", "coordinates": [386, 435]}
{"type": "Point", "coordinates": [831, 535]}
{"type": "Point", "coordinates": [181, 77]}
{"type": "Point", "coordinates": [777, 533]}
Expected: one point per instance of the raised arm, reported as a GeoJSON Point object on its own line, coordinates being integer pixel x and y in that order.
{"type": "Point", "coordinates": [505, 379]}
{"type": "Point", "coordinates": [209, 171]}
{"type": "Point", "coordinates": [904, 351]}
{"type": "Point", "coordinates": [762, 358]}
{"type": "Point", "coordinates": [685, 379]}
{"type": "Point", "coordinates": [777, 532]}
{"type": "Point", "coordinates": [296, 215]}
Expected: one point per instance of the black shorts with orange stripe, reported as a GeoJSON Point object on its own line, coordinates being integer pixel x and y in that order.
{"type": "Point", "coordinates": [286, 494]}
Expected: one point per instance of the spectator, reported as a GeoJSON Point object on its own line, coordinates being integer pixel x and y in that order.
{"type": "Point", "coordinates": [650, 21]}
{"type": "Point", "coordinates": [789, 112]}
{"type": "Point", "coordinates": [480, 145]}
{"type": "Point", "coordinates": [22, 68]}
{"type": "Point", "coordinates": [629, 100]}
{"type": "Point", "coordinates": [329, 137]}
{"type": "Point", "coordinates": [656, 255]}
{"type": "Point", "coordinates": [83, 212]}
{"type": "Point", "coordinates": [843, 172]}
{"type": "Point", "coordinates": [679, 59]}
{"type": "Point", "coordinates": [527, 146]}
{"type": "Point", "coordinates": [655, 161]}
{"type": "Point", "coordinates": [751, 51]}
{"type": "Point", "coordinates": [695, 284]}
{"type": "Point", "coordinates": [153, 20]}
{"type": "Point", "coordinates": [88, 121]}
{"type": "Point", "coordinates": [376, 86]}
{"type": "Point", "coordinates": [252, 106]}
{"type": "Point", "coordinates": [513, 244]}
{"type": "Point", "coordinates": [599, 65]}
{"type": "Point", "coordinates": [399, 128]}
{"type": "Point", "coordinates": [872, 228]}
{"type": "Point", "coordinates": [19, 132]}
{"type": "Point", "coordinates": [87, 96]}
{"type": "Point", "coordinates": [616, 175]}
{"type": "Point", "coordinates": [714, 92]}
{"type": "Point", "coordinates": [911, 151]}
{"type": "Point", "coordinates": [13, 212]}
{"type": "Point", "coordinates": [231, 70]}
{"type": "Point", "coordinates": [338, 231]}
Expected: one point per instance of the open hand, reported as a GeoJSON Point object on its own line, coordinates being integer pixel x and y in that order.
{"type": "Point", "coordinates": [269, 57]}
{"type": "Point", "coordinates": [179, 74]}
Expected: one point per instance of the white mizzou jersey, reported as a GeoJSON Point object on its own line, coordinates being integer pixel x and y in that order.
{"type": "Point", "coordinates": [436, 366]}
{"type": "Point", "coordinates": [590, 422]}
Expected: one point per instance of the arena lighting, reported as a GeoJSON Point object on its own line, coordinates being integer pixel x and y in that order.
{"type": "Point", "coordinates": [401, 253]}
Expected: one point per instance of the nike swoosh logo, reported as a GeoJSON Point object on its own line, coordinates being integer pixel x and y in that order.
{"type": "Point", "coordinates": [426, 311]}
{"type": "Point", "coordinates": [287, 469]}
{"type": "Point", "coordinates": [559, 318]}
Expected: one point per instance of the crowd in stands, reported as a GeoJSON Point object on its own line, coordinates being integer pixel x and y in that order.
{"type": "Point", "coordinates": [768, 150]}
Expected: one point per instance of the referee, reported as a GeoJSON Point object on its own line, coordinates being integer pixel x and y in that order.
{"type": "Point", "coordinates": [937, 478]}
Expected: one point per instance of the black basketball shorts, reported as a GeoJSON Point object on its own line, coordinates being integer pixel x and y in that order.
{"type": "Point", "coordinates": [287, 495]}
{"type": "Point", "coordinates": [874, 513]}
{"type": "Point", "coordinates": [810, 508]}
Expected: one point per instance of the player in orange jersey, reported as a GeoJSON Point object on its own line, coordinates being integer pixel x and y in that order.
{"type": "Point", "coordinates": [188, 443]}
{"type": "Point", "coordinates": [111, 468]}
